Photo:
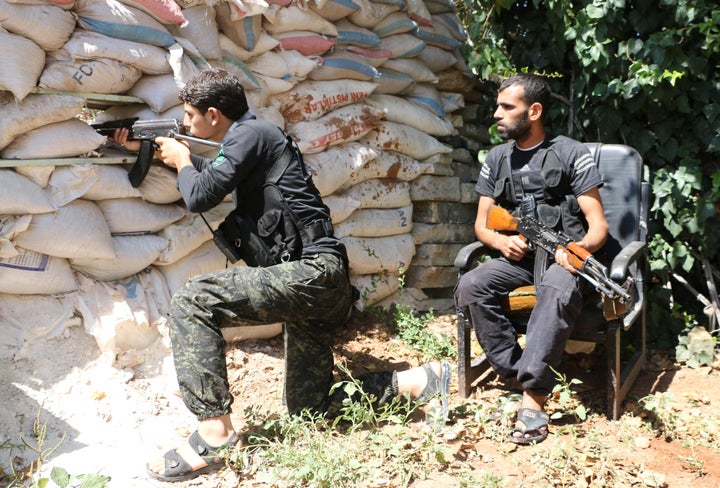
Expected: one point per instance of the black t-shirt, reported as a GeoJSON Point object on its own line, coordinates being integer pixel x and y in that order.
{"type": "Point", "coordinates": [249, 149]}
{"type": "Point", "coordinates": [526, 165]}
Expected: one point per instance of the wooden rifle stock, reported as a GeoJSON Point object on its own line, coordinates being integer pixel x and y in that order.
{"type": "Point", "coordinates": [536, 234]}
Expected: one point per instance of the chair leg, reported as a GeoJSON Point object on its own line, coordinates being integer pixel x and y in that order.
{"type": "Point", "coordinates": [464, 356]}
{"type": "Point", "coordinates": [468, 370]}
{"type": "Point", "coordinates": [620, 380]}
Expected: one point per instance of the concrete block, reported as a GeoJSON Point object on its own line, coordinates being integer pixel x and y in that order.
{"type": "Point", "coordinates": [443, 233]}
{"type": "Point", "coordinates": [444, 212]}
{"type": "Point", "coordinates": [435, 188]}
{"type": "Point", "coordinates": [436, 254]}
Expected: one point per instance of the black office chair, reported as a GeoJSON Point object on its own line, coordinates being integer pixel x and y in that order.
{"type": "Point", "coordinates": [625, 198]}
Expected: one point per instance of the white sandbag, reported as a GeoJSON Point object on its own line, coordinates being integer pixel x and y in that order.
{"type": "Point", "coordinates": [32, 318]}
{"type": "Point", "coordinates": [243, 32]}
{"type": "Point", "coordinates": [394, 23]}
{"type": "Point", "coordinates": [134, 254]}
{"type": "Point", "coordinates": [391, 82]}
{"type": "Point", "coordinates": [269, 64]}
{"type": "Point", "coordinates": [164, 11]}
{"type": "Point", "coordinates": [21, 62]}
{"type": "Point", "coordinates": [405, 139]}
{"type": "Point", "coordinates": [389, 164]}
{"type": "Point", "coordinates": [128, 216]}
{"type": "Point", "coordinates": [379, 193]}
{"type": "Point", "coordinates": [64, 4]}
{"type": "Point", "coordinates": [374, 287]}
{"type": "Point", "coordinates": [368, 255]}
{"type": "Point", "coordinates": [271, 87]}
{"type": "Point", "coordinates": [101, 75]}
{"type": "Point", "coordinates": [117, 20]}
{"type": "Point", "coordinates": [242, 8]}
{"type": "Point", "coordinates": [345, 124]}
{"type": "Point", "coordinates": [111, 182]}
{"type": "Point", "coordinates": [451, 22]}
{"type": "Point", "coordinates": [40, 175]}
{"type": "Point", "coordinates": [375, 57]}
{"type": "Point", "coordinates": [293, 18]}
{"type": "Point", "coordinates": [160, 185]}
{"type": "Point", "coordinates": [334, 67]}
{"type": "Point", "coordinates": [403, 45]}
{"type": "Point", "coordinates": [437, 36]}
{"type": "Point", "coordinates": [299, 66]}
{"type": "Point", "coordinates": [426, 96]}
{"type": "Point", "coordinates": [248, 80]}
{"type": "Point", "coordinates": [334, 10]}
{"type": "Point", "coordinates": [185, 61]}
{"type": "Point", "coordinates": [402, 111]}
{"type": "Point", "coordinates": [228, 46]}
{"type": "Point", "coordinates": [34, 111]}
{"type": "Point", "coordinates": [412, 67]}
{"type": "Point", "coordinates": [376, 222]}
{"type": "Point", "coordinates": [57, 24]}
{"type": "Point", "coordinates": [58, 140]}
{"type": "Point", "coordinates": [123, 316]}
{"type": "Point", "coordinates": [351, 34]}
{"type": "Point", "coordinates": [451, 101]}
{"type": "Point", "coordinates": [270, 114]}
{"type": "Point", "coordinates": [371, 13]}
{"type": "Point", "coordinates": [10, 227]}
{"type": "Point", "coordinates": [205, 259]}
{"type": "Point", "coordinates": [313, 99]}
{"type": "Point", "coordinates": [32, 273]}
{"type": "Point", "coordinates": [19, 195]}
{"type": "Point", "coordinates": [202, 30]}
{"type": "Point", "coordinates": [341, 206]}
{"type": "Point", "coordinates": [76, 230]}
{"type": "Point", "coordinates": [436, 58]}
{"type": "Point", "coordinates": [70, 182]}
{"type": "Point", "coordinates": [159, 92]}
{"type": "Point", "coordinates": [150, 59]}
{"type": "Point", "coordinates": [332, 168]}
{"type": "Point", "coordinates": [418, 11]}
{"type": "Point", "coordinates": [183, 237]}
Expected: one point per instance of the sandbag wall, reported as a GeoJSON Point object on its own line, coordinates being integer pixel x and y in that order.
{"type": "Point", "coordinates": [374, 93]}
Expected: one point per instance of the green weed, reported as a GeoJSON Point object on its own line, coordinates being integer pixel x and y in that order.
{"type": "Point", "coordinates": [413, 331]}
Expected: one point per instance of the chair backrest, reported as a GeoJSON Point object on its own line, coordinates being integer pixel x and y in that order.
{"type": "Point", "coordinates": [623, 194]}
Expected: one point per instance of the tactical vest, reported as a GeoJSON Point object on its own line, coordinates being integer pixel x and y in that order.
{"type": "Point", "coordinates": [280, 226]}
{"type": "Point", "coordinates": [278, 235]}
{"type": "Point", "coordinates": [556, 206]}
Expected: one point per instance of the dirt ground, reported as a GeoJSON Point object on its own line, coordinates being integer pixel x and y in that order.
{"type": "Point", "coordinates": [114, 419]}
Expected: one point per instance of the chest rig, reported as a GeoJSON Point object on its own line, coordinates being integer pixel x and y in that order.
{"type": "Point", "coordinates": [552, 202]}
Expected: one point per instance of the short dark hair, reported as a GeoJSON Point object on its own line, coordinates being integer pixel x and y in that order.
{"type": "Point", "coordinates": [536, 88]}
{"type": "Point", "coordinates": [216, 88]}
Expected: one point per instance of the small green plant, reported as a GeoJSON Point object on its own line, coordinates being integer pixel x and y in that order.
{"type": "Point", "coordinates": [413, 331]}
{"type": "Point", "coordinates": [362, 443]}
{"type": "Point", "coordinates": [58, 475]}
{"type": "Point", "coordinates": [563, 391]}
{"type": "Point", "coordinates": [696, 347]}
{"type": "Point", "coordinates": [661, 413]}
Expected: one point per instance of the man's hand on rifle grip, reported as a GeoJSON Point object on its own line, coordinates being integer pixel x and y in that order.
{"type": "Point", "coordinates": [174, 153]}
{"type": "Point", "coordinates": [513, 247]}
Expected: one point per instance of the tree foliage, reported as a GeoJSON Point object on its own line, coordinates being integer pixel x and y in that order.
{"type": "Point", "coordinates": [639, 72]}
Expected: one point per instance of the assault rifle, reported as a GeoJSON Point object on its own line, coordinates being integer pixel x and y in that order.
{"type": "Point", "coordinates": [146, 131]}
{"type": "Point", "coordinates": [537, 234]}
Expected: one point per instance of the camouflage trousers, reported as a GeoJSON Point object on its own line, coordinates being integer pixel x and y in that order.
{"type": "Point", "coordinates": [312, 296]}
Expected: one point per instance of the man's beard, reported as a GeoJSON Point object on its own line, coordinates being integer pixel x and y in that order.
{"type": "Point", "coordinates": [516, 131]}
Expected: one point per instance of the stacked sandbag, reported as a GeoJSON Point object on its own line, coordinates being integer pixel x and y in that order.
{"type": "Point", "coordinates": [371, 92]}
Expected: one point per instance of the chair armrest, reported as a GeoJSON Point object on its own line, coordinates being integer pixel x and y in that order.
{"type": "Point", "coordinates": [627, 256]}
{"type": "Point", "coordinates": [468, 254]}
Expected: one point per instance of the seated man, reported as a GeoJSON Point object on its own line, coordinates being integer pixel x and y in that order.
{"type": "Point", "coordinates": [555, 177]}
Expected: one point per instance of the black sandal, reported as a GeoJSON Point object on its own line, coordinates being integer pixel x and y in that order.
{"type": "Point", "coordinates": [178, 469]}
{"type": "Point", "coordinates": [437, 387]}
{"type": "Point", "coordinates": [534, 427]}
